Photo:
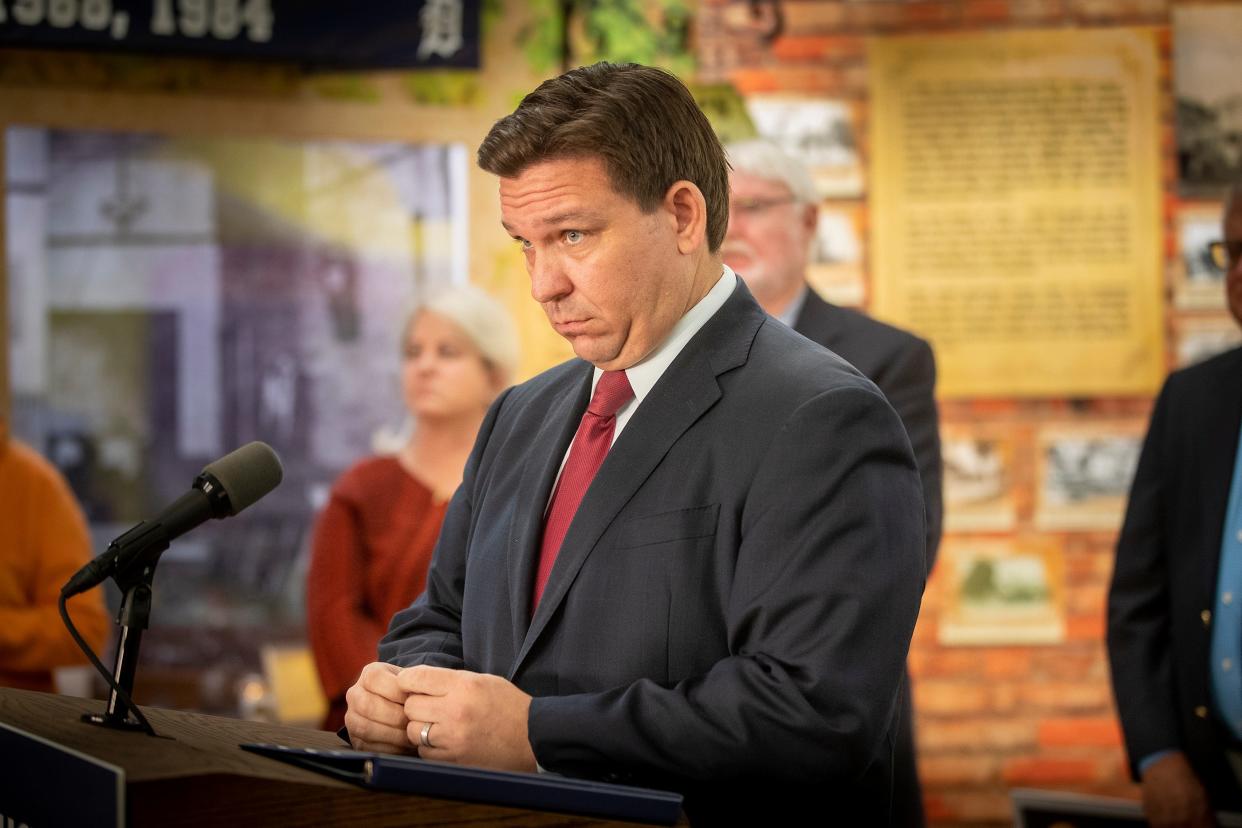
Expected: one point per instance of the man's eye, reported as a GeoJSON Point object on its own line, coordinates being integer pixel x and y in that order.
{"type": "Point", "coordinates": [526, 245]}
{"type": "Point", "coordinates": [573, 236]}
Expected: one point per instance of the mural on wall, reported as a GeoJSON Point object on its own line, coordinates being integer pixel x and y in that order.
{"type": "Point", "coordinates": [1208, 89]}
{"type": "Point", "coordinates": [172, 299]}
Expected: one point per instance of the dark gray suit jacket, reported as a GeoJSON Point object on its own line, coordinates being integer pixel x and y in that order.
{"type": "Point", "coordinates": [731, 610]}
{"type": "Point", "coordinates": [1164, 580]}
{"type": "Point", "coordinates": [904, 368]}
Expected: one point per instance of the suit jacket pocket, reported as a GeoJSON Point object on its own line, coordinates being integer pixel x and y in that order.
{"type": "Point", "coordinates": [682, 524]}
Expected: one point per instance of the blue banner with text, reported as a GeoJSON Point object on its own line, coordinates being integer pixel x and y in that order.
{"type": "Point", "coordinates": [432, 34]}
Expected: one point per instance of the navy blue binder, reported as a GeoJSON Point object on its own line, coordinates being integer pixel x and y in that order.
{"type": "Point", "coordinates": [541, 791]}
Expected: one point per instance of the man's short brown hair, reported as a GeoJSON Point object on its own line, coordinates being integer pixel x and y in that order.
{"type": "Point", "coordinates": [641, 122]}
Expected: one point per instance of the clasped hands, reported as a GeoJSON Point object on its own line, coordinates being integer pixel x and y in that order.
{"type": "Point", "coordinates": [476, 718]}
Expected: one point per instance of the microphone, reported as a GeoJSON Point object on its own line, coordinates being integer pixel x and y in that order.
{"type": "Point", "coordinates": [224, 488]}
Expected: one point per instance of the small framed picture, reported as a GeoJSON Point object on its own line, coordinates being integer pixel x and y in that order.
{"type": "Point", "coordinates": [1198, 283]}
{"type": "Point", "coordinates": [978, 480]}
{"type": "Point", "coordinates": [1083, 474]}
{"type": "Point", "coordinates": [820, 132]}
{"type": "Point", "coordinates": [1002, 592]}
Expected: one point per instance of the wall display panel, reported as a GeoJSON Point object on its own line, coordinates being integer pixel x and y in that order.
{"type": "Point", "coordinates": [1207, 85]}
{"type": "Point", "coordinates": [1015, 196]}
{"type": "Point", "coordinates": [1009, 591]}
{"type": "Point", "coordinates": [172, 299]}
{"type": "Point", "coordinates": [1083, 474]}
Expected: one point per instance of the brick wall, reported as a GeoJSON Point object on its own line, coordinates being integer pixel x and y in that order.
{"type": "Point", "coordinates": [988, 719]}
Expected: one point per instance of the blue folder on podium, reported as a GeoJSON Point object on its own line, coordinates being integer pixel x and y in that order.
{"type": "Point", "coordinates": [542, 791]}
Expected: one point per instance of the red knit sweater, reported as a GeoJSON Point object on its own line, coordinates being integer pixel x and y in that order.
{"type": "Point", "coordinates": [369, 559]}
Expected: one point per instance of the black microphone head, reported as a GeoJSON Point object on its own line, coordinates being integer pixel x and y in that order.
{"type": "Point", "coordinates": [246, 474]}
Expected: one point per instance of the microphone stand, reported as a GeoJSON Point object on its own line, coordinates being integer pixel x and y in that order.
{"type": "Point", "coordinates": [148, 541]}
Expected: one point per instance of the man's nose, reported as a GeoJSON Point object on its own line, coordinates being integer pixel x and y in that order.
{"type": "Point", "coordinates": [548, 281]}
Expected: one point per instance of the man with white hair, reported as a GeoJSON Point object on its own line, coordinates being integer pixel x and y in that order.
{"type": "Point", "coordinates": [773, 215]}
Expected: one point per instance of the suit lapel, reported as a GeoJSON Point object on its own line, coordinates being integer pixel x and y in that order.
{"type": "Point", "coordinates": [685, 392]}
{"type": "Point", "coordinates": [547, 449]}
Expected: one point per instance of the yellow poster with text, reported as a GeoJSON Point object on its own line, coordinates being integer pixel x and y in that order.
{"type": "Point", "coordinates": [1016, 217]}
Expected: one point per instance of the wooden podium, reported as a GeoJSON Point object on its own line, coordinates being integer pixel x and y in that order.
{"type": "Point", "coordinates": [56, 769]}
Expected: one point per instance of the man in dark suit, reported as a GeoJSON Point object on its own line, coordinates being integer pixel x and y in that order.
{"type": "Point", "coordinates": [773, 216]}
{"type": "Point", "coordinates": [691, 558]}
{"type": "Point", "coordinates": [1175, 605]}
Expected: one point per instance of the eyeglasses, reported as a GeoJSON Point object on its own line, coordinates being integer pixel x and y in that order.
{"type": "Point", "coordinates": [1225, 255]}
{"type": "Point", "coordinates": [755, 206]}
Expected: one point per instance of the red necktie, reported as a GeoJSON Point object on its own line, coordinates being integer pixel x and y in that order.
{"type": "Point", "coordinates": [587, 453]}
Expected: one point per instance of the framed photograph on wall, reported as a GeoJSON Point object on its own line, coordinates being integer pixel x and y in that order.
{"type": "Point", "coordinates": [1197, 282]}
{"type": "Point", "coordinates": [1002, 592]}
{"type": "Point", "coordinates": [978, 479]}
{"type": "Point", "coordinates": [1083, 474]}
{"type": "Point", "coordinates": [820, 132]}
{"type": "Point", "coordinates": [835, 269]}
{"type": "Point", "coordinates": [1208, 88]}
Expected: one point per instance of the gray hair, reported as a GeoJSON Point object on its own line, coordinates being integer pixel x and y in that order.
{"type": "Point", "coordinates": [765, 159]}
{"type": "Point", "coordinates": [485, 321]}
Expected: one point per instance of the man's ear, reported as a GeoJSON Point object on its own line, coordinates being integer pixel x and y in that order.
{"type": "Point", "coordinates": [686, 206]}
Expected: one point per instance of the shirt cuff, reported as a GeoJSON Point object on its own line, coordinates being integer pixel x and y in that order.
{"type": "Point", "coordinates": [1152, 758]}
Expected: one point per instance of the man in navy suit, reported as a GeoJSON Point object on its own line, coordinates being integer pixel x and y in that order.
{"type": "Point", "coordinates": [1175, 605]}
{"type": "Point", "coordinates": [773, 217]}
{"type": "Point", "coordinates": [691, 558]}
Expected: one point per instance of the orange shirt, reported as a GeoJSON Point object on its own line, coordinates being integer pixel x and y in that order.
{"type": "Point", "coordinates": [43, 541]}
{"type": "Point", "coordinates": [369, 558]}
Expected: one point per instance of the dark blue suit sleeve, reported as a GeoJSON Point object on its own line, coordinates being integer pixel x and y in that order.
{"type": "Point", "coordinates": [1139, 640]}
{"type": "Point", "coordinates": [429, 630]}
